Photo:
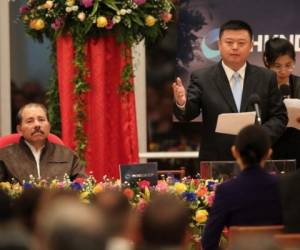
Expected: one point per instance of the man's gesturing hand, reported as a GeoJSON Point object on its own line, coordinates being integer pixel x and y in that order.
{"type": "Point", "coordinates": [179, 92]}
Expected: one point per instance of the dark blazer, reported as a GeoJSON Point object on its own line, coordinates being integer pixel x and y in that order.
{"type": "Point", "coordinates": [290, 200]}
{"type": "Point", "coordinates": [210, 91]}
{"type": "Point", "coordinates": [288, 145]}
{"type": "Point", "coordinates": [252, 198]}
{"type": "Point", "coordinates": [18, 162]}
{"type": "Point", "coordinates": [295, 86]}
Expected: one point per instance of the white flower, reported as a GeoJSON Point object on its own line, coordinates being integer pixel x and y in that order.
{"type": "Point", "coordinates": [81, 16]}
{"type": "Point", "coordinates": [128, 11]}
{"type": "Point", "coordinates": [123, 12]}
{"type": "Point", "coordinates": [68, 9]}
{"type": "Point", "coordinates": [116, 19]}
{"type": "Point", "coordinates": [75, 8]}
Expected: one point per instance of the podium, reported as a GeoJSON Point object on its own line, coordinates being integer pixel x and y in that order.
{"type": "Point", "coordinates": [227, 169]}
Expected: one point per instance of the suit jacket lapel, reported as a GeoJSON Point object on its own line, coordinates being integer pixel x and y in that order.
{"type": "Point", "coordinates": [248, 88]}
{"type": "Point", "coordinates": [224, 87]}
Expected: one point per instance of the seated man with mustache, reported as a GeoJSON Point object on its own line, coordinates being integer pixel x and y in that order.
{"type": "Point", "coordinates": [34, 154]}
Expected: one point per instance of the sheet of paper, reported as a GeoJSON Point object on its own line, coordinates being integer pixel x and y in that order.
{"type": "Point", "coordinates": [232, 123]}
{"type": "Point", "coordinates": [293, 109]}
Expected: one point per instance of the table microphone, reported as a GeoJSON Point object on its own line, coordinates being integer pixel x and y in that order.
{"type": "Point", "coordinates": [254, 100]}
{"type": "Point", "coordinates": [285, 90]}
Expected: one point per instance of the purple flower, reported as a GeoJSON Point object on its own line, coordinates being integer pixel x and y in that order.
{"type": "Point", "coordinates": [76, 186]}
{"type": "Point", "coordinates": [87, 3]}
{"type": "Point", "coordinates": [27, 185]}
{"type": "Point", "coordinates": [139, 2]}
{"type": "Point", "coordinates": [189, 196]}
{"type": "Point", "coordinates": [58, 22]}
{"type": "Point", "coordinates": [24, 9]}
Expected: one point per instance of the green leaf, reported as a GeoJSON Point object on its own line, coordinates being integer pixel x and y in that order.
{"type": "Point", "coordinates": [95, 7]}
{"type": "Point", "coordinates": [111, 4]}
{"type": "Point", "coordinates": [138, 20]}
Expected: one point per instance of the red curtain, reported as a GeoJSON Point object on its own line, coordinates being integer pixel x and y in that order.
{"type": "Point", "coordinates": [111, 119]}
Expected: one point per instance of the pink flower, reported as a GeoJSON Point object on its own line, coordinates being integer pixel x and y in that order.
{"type": "Point", "coordinates": [161, 186]}
{"type": "Point", "coordinates": [24, 9]}
{"type": "Point", "coordinates": [58, 22]}
{"type": "Point", "coordinates": [143, 184]}
{"type": "Point", "coordinates": [110, 24]}
{"type": "Point", "coordinates": [139, 2]}
{"type": "Point", "coordinates": [61, 184]}
{"type": "Point", "coordinates": [141, 205]}
{"type": "Point", "coordinates": [87, 3]}
{"type": "Point", "coordinates": [166, 17]}
{"type": "Point", "coordinates": [210, 199]}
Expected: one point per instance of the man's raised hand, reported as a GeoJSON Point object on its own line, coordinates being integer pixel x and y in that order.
{"type": "Point", "coordinates": [179, 92]}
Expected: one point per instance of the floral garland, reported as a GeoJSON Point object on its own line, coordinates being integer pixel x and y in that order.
{"type": "Point", "coordinates": [197, 193]}
{"type": "Point", "coordinates": [129, 20]}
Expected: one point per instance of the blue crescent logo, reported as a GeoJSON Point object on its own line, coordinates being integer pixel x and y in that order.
{"type": "Point", "coordinates": [210, 38]}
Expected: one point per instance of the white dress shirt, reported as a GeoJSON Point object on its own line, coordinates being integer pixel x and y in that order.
{"type": "Point", "coordinates": [37, 156]}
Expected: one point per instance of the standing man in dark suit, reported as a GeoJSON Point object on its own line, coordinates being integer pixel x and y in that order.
{"type": "Point", "coordinates": [227, 88]}
{"type": "Point", "coordinates": [252, 198]}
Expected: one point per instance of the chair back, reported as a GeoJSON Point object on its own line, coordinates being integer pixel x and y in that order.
{"type": "Point", "coordinates": [176, 172]}
{"type": "Point", "coordinates": [14, 138]}
{"type": "Point", "coordinates": [240, 233]}
{"type": "Point", "coordinates": [288, 241]}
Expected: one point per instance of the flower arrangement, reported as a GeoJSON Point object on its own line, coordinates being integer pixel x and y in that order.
{"type": "Point", "coordinates": [197, 193]}
{"type": "Point", "coordinates": [129, 21]}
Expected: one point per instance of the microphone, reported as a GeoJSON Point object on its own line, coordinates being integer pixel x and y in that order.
{"type": "Point", "coordinates": [285, 90]}
{"type": "Point", "coordinates": [254, 100]}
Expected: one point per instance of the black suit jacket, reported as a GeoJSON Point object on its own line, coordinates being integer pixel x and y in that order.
{"type": "Point", "coordinates": [210, 92]}
{"type": "Point", "coordinates": [252, 198]}
{"type": "Point", "coordinates": [295, 86]}
{"type": "Point", "coordinates": [290, 200]}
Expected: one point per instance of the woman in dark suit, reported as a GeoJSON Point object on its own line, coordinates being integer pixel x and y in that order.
{"type": "Point", "coordinates": [280, 57]}
{"type": "Point", "coordinates": [252, 198]}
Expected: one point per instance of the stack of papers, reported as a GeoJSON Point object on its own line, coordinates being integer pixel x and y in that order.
{"type": "Point", "coordinates": [293, 109]}
{"type": "Point", "coordinates": [232, 123]}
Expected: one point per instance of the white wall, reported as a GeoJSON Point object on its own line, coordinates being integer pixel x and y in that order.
{"type": "Point", "coordinates": [5, 120]}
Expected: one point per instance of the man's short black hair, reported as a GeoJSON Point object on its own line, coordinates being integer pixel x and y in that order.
{"type": "Point", "coordinates": [276, 47]}
{"type": "Point", "coordinates": [236, 25]}
{"type": "Point", "coordinates": [32, 104]}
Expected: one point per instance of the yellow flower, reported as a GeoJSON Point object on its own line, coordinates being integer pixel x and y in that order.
{"type": "Point", "coordinates": [53, 184]}
{"type": "Point", "coordinates": [47, 5]}
{"type": "Point", "coordinates": [150, 20]}
{"type": "Point", "coordinates": [5, 185]}
{"type": "Point", "coordinates": [101, 21]}
{"type": "Point", "coordinates": [70, 3]}
{"type": "Point", "coordinates": [97, 189]}
{"type": "Point", "coordinates": [84, 195]}
{"type": "Point", "coordinates": [201, 215]}
{"type": "Point", "coordinates": [37, 24]}
{"type": "Point", "coordinates": [180, 187]}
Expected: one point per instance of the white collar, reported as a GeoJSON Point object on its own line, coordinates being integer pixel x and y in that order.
{"type": "Point", "coordinates": [32, 148]}
{"type": "Point", "coordinates": [229, 72]}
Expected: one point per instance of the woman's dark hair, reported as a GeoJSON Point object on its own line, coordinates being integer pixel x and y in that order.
{"type": "Point", "coordinates": [276, 47]}
{"type": "Point", "coordinates": [236, 25]}
{"type": "Point", "coordinates": [253, 143]}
